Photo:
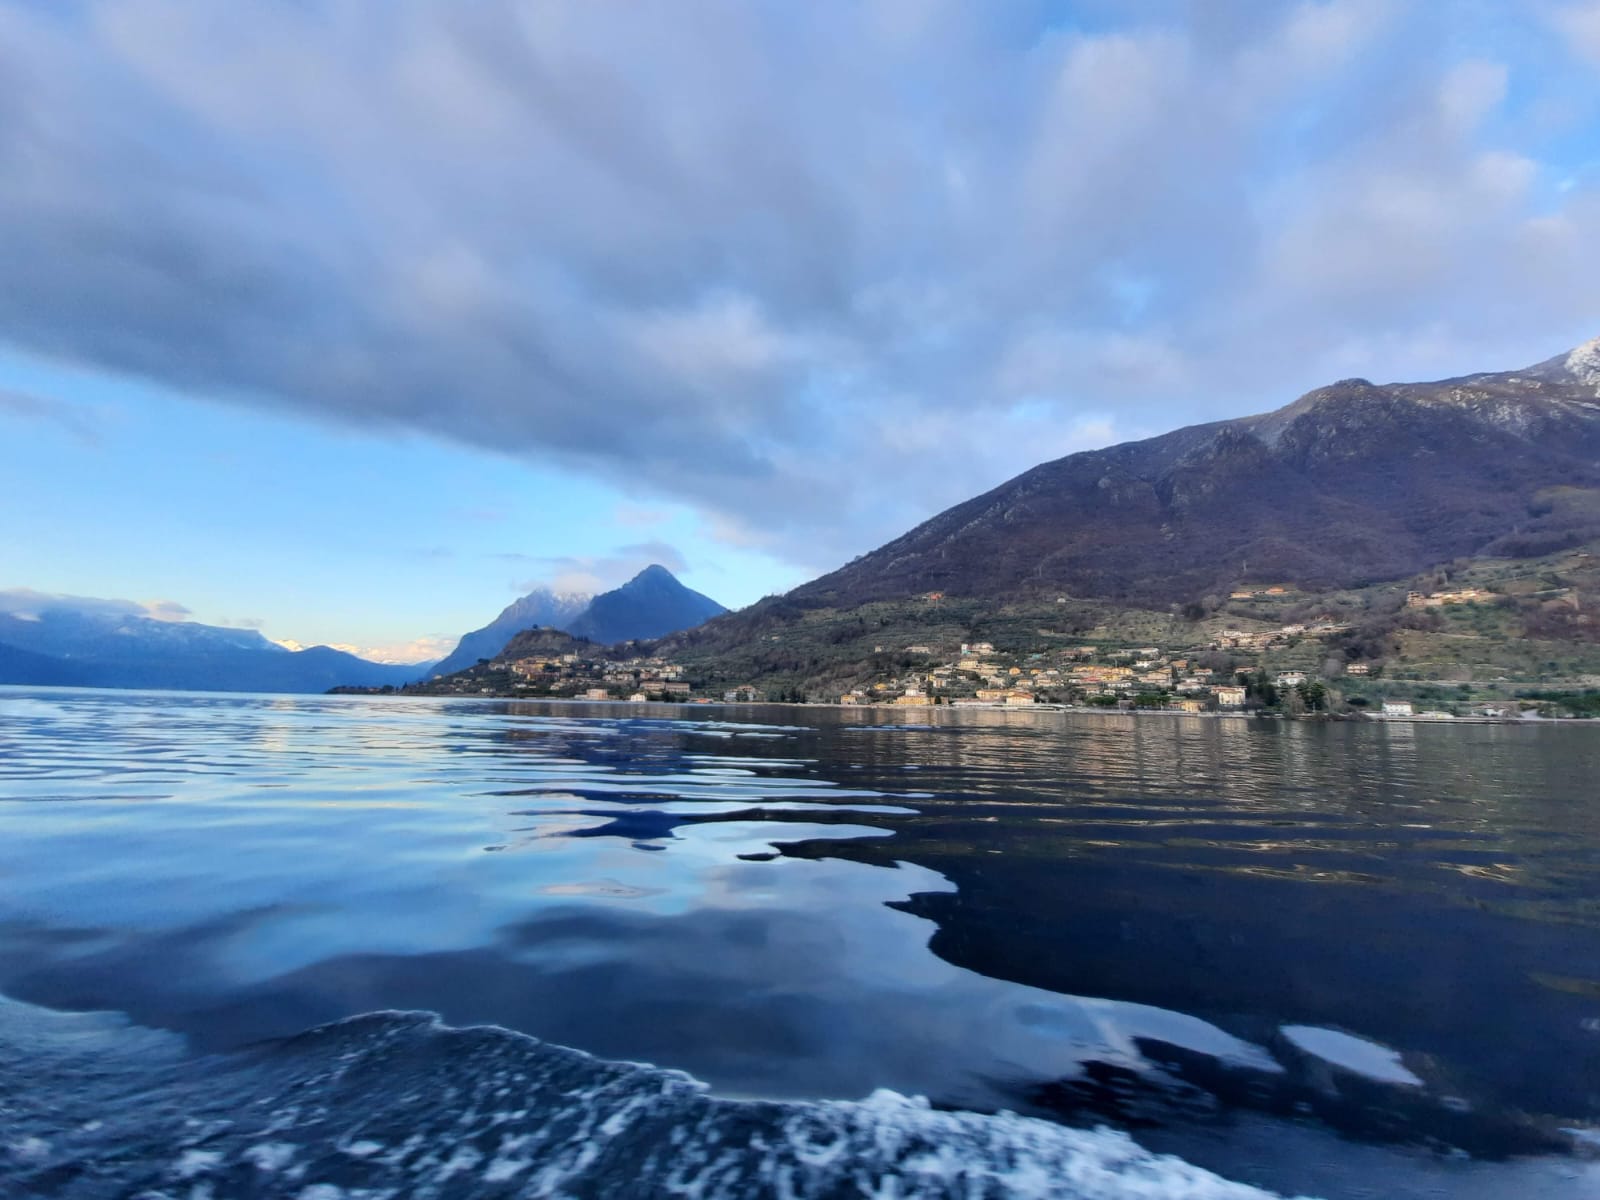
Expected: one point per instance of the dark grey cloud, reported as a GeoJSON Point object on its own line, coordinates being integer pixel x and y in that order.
{"type": "Point", "coordinates": [816, 269]}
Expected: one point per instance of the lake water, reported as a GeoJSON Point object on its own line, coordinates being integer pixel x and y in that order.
{"type": "Point", "coordinates": [971, 953]}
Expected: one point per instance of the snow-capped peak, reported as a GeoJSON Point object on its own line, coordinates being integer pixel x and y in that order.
{"type": "Point", "coordinates": [1584, 363]}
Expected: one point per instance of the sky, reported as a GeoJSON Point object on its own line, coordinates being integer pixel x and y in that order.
{"type": "Point", "coordinates": [350, 321]}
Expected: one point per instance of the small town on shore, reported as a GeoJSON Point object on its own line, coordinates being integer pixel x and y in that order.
{"type": "Point", "coordinates": [1230, 671]}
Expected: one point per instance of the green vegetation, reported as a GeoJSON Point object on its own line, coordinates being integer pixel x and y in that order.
{"type": "Point", "coordinates": [1572, 704]}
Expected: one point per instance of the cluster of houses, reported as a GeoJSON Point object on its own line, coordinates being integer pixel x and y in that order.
{"type": "Point", "coordinates": [570, 674]}
{"type": "Point", "coordinates": [1238, 639]}
{"type": "Point", "coordinates": [1439, 599]}
{"type": "Point", "coordinates": [980, 676]}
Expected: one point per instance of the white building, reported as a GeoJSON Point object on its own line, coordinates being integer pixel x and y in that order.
{"type": "Point", "coordinates": [1397, 708]}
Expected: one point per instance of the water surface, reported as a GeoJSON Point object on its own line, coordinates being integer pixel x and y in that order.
{"type": "Point", "coordinates": [1308, 957]}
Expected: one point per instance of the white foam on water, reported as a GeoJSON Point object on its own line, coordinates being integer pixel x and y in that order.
{"type": "Point", "coordinates": [270, 1157]}
{"type": "Point", "coordinates": [1353, 1054]}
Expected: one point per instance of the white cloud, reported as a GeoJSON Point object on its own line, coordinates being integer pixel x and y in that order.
{"type": "Point", "coordinates": [166, 610]}
{"type": "Point", "coordinates": [1580, 25]}
{"type": "Point", "coordinates": [422, 649]}
{"type": "Point", "coordinates": [808, 269]}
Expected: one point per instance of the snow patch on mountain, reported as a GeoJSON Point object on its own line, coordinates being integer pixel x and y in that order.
{"type": "Point", "coordinates": [1584, 363]}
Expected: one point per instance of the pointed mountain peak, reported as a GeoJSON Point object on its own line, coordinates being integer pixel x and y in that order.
{"type": "Point", "coordinates": [652, 604]}
{"type": "Point", "coordinates": [1584, 363]}
{"type": "Point", "coordinates": [655, 571]}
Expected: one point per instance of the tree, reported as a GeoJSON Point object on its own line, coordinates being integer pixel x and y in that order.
{"type": "Point", "coordinates": [1258, 689]}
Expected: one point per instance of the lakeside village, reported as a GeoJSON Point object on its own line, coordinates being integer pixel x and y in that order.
{"type": "Point", "coordinates": [1223, 675]}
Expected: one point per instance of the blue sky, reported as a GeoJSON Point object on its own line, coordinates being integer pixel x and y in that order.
{"type": "Point", "coordinates": [391, 545]}
{"type": "Point", "coordinates": [354, 319]}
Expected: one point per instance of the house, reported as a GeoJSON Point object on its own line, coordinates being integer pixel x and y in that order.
{"type": "Point", "coordinates": [637, 698]}
{"type": "Point", "coordinates": [1291, 678]}
{"type": "Point", "coordinates": [978, 648]}
{"type": "Point", "coordinates": [1019, 697]}
{"type": "Point", "coordinates": [1437, 599]}
{"type": "Point", "coordinates": [740, 695]}
{"type": "Point", "coordinates": [1188, 706]}
{"type": "Point", "coordinates": [1397, 708]}
{"type": "Point", "coordinates": [1229, 697]}
{"type": "Point", "coordinates": [1358, 669]}
{"type": "Point", "coordinates": [852, 698]}
{"type": "Point", "coordinates": [597, 694]}
{"type": "Point", "coordinates": [992, 695]}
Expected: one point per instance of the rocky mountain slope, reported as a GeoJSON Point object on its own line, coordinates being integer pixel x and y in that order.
{"type": "Point", "coordinates": [539, 607]}
{"type": "Point", "coordinates": [1352, 483]}
{"type": "Point", "coordinates": [650, 605]}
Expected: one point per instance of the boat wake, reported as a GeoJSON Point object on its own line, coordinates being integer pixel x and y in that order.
{"type": "Point", "coordinates": [396, 1104]}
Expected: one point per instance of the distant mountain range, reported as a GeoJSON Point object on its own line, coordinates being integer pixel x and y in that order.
{"type": "Point", "coordinates": [63, 641]}
{"type": "Point", "coordinates": [1353, 485]}
{"type": "Point", "coordinates": [82, 642]}
{"type": "Point", "coordinates": [650, 605]}
{"type": "Point", "coordinates": [557, 610]}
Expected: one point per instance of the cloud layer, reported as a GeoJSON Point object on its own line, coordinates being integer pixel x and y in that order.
{"type": "Point", "coordinates": [29, 605]}
{"type": "Point", "coordinates": [817, 270]}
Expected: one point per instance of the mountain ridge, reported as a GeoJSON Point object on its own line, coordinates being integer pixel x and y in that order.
{"type": "Point", "coordinates": [541, 606]}
{"type": "Point", "coordinates": [654, 603]}
{"type": "Point", "coordinates": [68, 641]}
{"type": "Point", "coordinates": [1374, 481]}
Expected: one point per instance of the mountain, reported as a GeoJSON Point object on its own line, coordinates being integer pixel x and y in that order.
{"type": "Point", "coordinates": [40, 670]}
{"type": "Point", "coordinates": [96, 643]}
{"type": "Point", "coordinates": [1351, 483]}
{"type": "Point", "coordinates": [542, 642]}
{"type": "Point", "coordinates": [539, 607]}
{"type": "Point", "coordinates": [650, 605]}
